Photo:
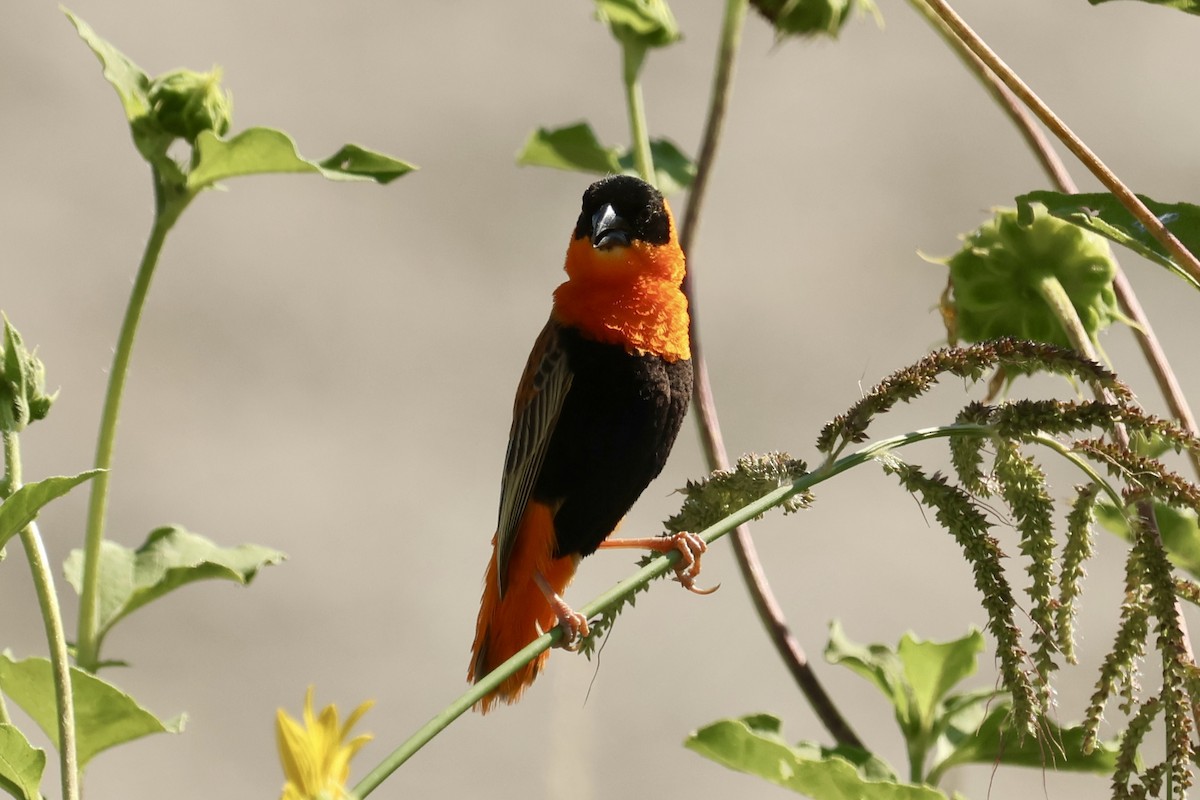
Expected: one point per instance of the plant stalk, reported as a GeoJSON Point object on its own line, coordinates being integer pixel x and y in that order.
{"type": "Point", "coordinates": [633, 55]}
{"type": "Point", "coordinates": [56, 639]}
{"type": "Point", "coordinates": [770, 613]}
{"type": "Point", "coordinates": [87, 653]}
{"type": "Point", "coordinates": [657, 568]}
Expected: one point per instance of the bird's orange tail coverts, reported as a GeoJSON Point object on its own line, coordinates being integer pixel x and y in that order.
{"type": "Point", "coordinates": [507, 624]}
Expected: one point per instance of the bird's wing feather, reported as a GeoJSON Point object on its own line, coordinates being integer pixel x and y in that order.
{"type": "Point", "coordinates": [540, 396]}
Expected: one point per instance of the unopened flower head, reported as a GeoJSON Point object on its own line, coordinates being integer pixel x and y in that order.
{"type": "Point", "coordinates": [811, 17]}
{"type": "Point", "coordinates": [996, 278]}
{"type": "Point", "coordinates": [184, 103]}
{"type": "Point", "coordinates": [23, 397]}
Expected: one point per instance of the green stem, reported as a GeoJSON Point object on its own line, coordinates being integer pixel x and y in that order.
{"type": "Point", "coordinates": [1153, 225]}
{"type": "Point", "coordinates": [56, 639]}
{"type": "Point", "coordinates": [1052, 291]}
{"type": "Point", "coordinates": [1083, 464]}
{"type": "Point", "coordinates": [916, 761]}
{"type": "Point", "coordinates": [657, 568]}
{"type": "Point", "coordinates": [87, 653]}
{"type": "Point", "coordinates": [633, 55]}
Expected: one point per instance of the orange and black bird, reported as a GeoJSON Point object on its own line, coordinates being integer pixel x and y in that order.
{"type": "Point", "coordinates": [597, 410]}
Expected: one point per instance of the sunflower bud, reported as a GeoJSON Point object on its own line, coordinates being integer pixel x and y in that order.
{"type": "Point", "coordinates": [810, 17]}
{"type": "Point", "coordinates": [183, 103]}
{"type": "Point", "coordinates": [23, 397]}
{"type": "Point", "coordinates": [995, 280]}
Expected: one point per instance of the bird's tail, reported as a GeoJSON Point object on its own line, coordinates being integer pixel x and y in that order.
{"type": "Point", "coordinates": [509, 622]}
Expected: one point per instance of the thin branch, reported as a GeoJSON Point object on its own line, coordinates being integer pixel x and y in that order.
{"type": "Point", "coordinates": [765, 603]}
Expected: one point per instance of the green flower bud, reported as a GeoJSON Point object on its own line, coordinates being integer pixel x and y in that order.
{"type": "Point", "coordinates": [183, 103]}
{"type": "Point", "coordinates": [810, 17]}
{"type": "Point", "coordinates": [23, 397]}
{"type": "Point", "coordinates": [995, 280]}
{"type": "Point", "coordinates": [648, 23]}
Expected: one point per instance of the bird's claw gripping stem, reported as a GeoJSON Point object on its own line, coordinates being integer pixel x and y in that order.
{"type": "Point", "coordinates": [690, 547]}
{"type": "Point", "coordinates": [574, 625]}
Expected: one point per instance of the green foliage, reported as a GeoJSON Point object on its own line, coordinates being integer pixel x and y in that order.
{"type": "Point", "coordinates": [1077, 549]}
{"type": "Point", "coordinates": [811, 17]}
{"type": "Point", "coordinates": [755, 745]}
{"type": "Point", "coordinates": [22, 506]}
{"type": "Point", "coordinates": [1190, 6]}
{"type": "Point", "coordinates": [187, 105]}
{"type": "Point", "coordinates": [997, 280]}
{"type": "Point", "coordinates": [1177, 526]}
{"type": "Point", "coordinates": [957, 512]}
{"type": "Point", "coordinates": [23, 397]}
{"type": "Point", "coordinates": [1023, 486]}
{"type": "Point", "coordinates": [724, 491]}
{"type": "Point", "coordinates": [982, 734]}
{"type": "Point", "coordinates": [970, 363]}
{"type": "Point", "coordinates": [104, 715]}
{"type": "Point", "coordinates": [710, 501]}
{"type": "Point", "coordinates": [21, 764]}
{"type": "Point", "coordinates": [184, 104]}
{"type": "Point", "coordinates": [1150, 591]}
{"type": "Point", "coordinates": [644, 23]}
{"type": "Point", "coordinates": [575, 148]}
{"type": "Point", "coordinates": [942, 728]}
{"type": "Point", "coordinates": [257, 151]}
{"type": "Point", "coordinates": [915, 677]}
{"type": "Point", "coordinates": [171, 557]}
{"type": "Point", "coordinates": [1103, 214]}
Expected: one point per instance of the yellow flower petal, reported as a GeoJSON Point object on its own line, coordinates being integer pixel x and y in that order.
{"type": "Point", "coordinates": [316, 754]}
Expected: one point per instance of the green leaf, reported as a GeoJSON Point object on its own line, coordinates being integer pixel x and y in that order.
{"type": "Point", "coordinates": [127, 78]}
{"type": "Point", "coordinates": [1102, 213]}
{"type": "Point", "coordinates": [754, 745]}
{"type": "Point", "coordinates": [104, 715]}
{"type": "Point", "coordinates": [645, 23]}
{"type": "Point", "coordinates": [171, 557]}
{"type": "Point", "coordinates": [21, 764]}
{"type": "Point", "coordinates": [23, 505]}
{"type": "Point", "coordinates": [261, 150]}
{"type": "Point", "coordinates": [877, 663]}
{"type": "Point", "coordinates": [573, 147]}
{"type": "Point", "coordinates": [1179, 528]}
{"type": "Point", "coordinates": [932, 669]}
{"type": "Point", "coordinates": [982, 735]}
{"type": "Point", "coordinates": [1190, 6]}
{"type": "Point", "coordinates": [674, 170]}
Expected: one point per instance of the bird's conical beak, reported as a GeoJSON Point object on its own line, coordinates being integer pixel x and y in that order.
{"type": "Point", "coordinates": [609, 229]}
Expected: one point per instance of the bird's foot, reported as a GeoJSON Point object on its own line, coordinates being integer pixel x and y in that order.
{"type": "Point", "coordinates": [574, 625]}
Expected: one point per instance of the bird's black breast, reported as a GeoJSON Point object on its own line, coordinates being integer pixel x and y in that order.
{"type": "Point", "coordinates": [613, 436]}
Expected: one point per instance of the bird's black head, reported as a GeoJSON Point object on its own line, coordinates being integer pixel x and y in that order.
{"type": "Point", "coordinates": [620, 210]}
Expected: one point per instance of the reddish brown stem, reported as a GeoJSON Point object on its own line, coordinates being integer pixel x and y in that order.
{"type": "Point", "coordinates": [768, 608]}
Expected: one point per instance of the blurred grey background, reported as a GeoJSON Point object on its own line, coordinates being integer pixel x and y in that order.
{"type": "Point", "coordinates": [328, 368]}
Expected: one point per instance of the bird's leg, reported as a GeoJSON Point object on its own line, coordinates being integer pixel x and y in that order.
{"type": "Point", "coordinates": [690, 547]}
{"type": "Point", "coordinates": [574, 624]}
